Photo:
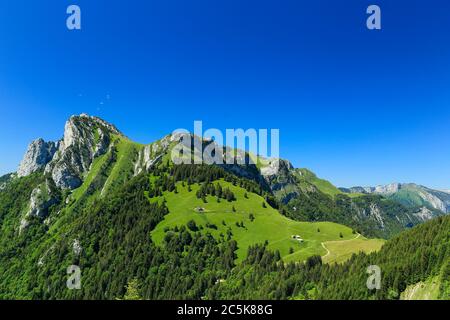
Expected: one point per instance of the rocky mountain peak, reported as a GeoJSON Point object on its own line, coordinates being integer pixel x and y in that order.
{"type": "Point", "coordinates": [85, 126]}
{"type": "Point", "coordinates": [68, 160]}
{"type": "Point", "coordinates": [38, 154]}
{"type": "Point", "coordinates": [381, 189]}
{"type": "Point", "coordinates": [85, 138]}
{"type": "Point", "coordinates": [388, 189]}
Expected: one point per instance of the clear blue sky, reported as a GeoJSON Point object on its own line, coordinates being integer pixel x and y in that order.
{"type": "Point", "coordinates": [358, 107]}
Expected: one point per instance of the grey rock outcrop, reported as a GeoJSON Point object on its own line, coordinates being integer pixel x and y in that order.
{"type": "Point", "coordinates": [69, 160]}
{"type": "Point", "coordinates": [41, 199]}
{"type": "Point", "coordinates": [382, 189]}
{"type": "Point", "coordinates": [146, 160]}
{"type": "Point", "coordinates": [388, 189]}
{"type": "Point", "coordinates": [152, 153]}
{"type": "Point", "coordinates": [279, 174]}
{"type": "Point", "coordinates": [4, 180]}
{"type": "Point", "coordinates": [366, 190]}
{"type": "Point", "coordinates": [424, 214]}
{"type": "Point", "coordinates": [38, 154]}
{"type": "Point", "coordinates": [85, 138]}
{"type": "Point", "coordinates": [76, 247]}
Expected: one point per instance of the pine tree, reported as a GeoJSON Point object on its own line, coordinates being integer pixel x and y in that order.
{"type": "Point", "coordinates": [132, 291]}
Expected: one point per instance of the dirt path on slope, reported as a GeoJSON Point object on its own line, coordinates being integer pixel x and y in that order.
{"type": "Point", "coordinates": [328, 251]}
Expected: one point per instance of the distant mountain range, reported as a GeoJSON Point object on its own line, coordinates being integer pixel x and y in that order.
{"type": "Point", "coordinates": [374, 211]}
{"type": "Point", "coordinates": [129, 216]}
{"type": "Point", "coordinates": [408, 194]}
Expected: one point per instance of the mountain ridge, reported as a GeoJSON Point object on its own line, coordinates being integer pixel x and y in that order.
{"type": "Point", "coordinates": [409, 194]}
{"type": "Point", "coordinates": [134, 213]}
{"type": "Point", "coordinates": [69, 162]}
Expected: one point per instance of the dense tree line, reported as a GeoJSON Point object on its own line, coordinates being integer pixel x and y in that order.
{"type": "Point", "coordinates": [119, 260]}
{"type": "Point", "coordinates": [263, 275]}
{"type": "Point", "coordinates": [207, 173]}
{"type": "Point", "coordinates": [166, 176]}
{"type": "Point", "coordinates": [317, 206]}
{"type": "Point", "coordinates": [215, 190]}
{"type": "Point", "coordinates": [114, 234]}
{"type": "Point", "coordinates": [5, 178]}
{"type": "Point", "coordinates": [413, 256]}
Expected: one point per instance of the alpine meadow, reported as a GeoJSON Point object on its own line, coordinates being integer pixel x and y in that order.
{"type": "Point", "coordinates": [225, 159]}
{"type": "Point", "coordinates": [140, 227]}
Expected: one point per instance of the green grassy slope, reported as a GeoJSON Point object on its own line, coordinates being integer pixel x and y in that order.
{"type": "Point", "coordinates": [268, 224]}
{"type": "Point", "coordinates": [341, 251]}
{"type": "Point", "coordinates": [321, 184]}
{"type": "Point", "coordinates": [119, 171]}
{"type": "Point", "coordinates": [108, 171]}
{"type": "Point", "coordinates": [95, 169]}
{"type": "Point", "coordinates": [409, 198]}
{"type": "Point", "coordinates": [122, 170]}
{"type": "Point", "coordinates": [424, 290]}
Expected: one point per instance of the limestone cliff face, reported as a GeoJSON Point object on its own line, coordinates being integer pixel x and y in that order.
{"type": "Point", "coordinates": [66, 162]}
{"type": "Point", "coordinates": [388, 189]}
{"type": "Point", "coordinates": [382, 189]}
{"type": "Point", "coordinates": [280, 176]}
{"type": "Point", "coordinates": [424, 214]}
{"type": "Point", "coordinates": [85, 138]}
{"type": "Point", "coordinates": [38, 154]}
{"type": "Point", "coordinates": [69, 160]}
{"type": "Point", "coordinates": [152, 153]}
{"type": "Point", "coordinates": [4, 180]}
{"type": "Point", "coordinates": [41, 199]}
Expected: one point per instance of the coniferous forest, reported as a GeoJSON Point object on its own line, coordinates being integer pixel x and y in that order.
{"type": "Point", "coordinates": [119, 256]}
{"type": "Point", "coordinates": [273, 151]}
